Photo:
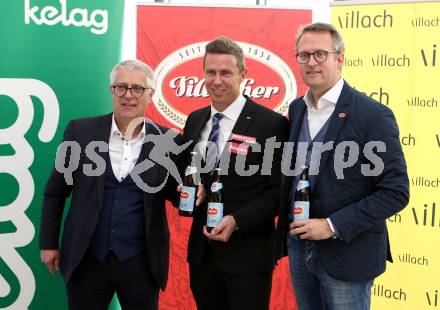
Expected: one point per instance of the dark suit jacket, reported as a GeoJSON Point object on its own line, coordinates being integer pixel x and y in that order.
{"type": "Point", "coordinates": [252, 200]}
{"type": "Point", "coordinates": [87, 194]}
{"type": "Point", "coordinates": [357, 205]}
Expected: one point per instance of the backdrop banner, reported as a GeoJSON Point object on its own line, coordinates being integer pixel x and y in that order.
{"type": "Point", "coordinates": [172, 39]}
{"type": "Point", "coordinates": [55, 58]}
{"type": "Point", "coordinates": [392, 55]}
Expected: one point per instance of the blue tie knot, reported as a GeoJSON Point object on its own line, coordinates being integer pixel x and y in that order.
{"type": "Point", "coordinates": [211, 157]}
{"type": "Point", "coordinates": [217, 117]}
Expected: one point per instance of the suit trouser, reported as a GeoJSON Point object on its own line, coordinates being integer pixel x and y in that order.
{"type": "Point", "coordinates": [214, 289]}
{"type": "Point", "coordinates": [93, 284]}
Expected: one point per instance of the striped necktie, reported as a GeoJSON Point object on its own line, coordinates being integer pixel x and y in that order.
{"type": "Point", "coordinates": [212, 148]}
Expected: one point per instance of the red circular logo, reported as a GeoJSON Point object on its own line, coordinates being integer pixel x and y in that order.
{"type": "Point", "coordinates": [212, 211]}
{"type": "Point", "coordinates": [184, 195]}
{"type": "Point", "coordinates": [181, 86]}
{"type": "Point", "coordinates": [297, 210]}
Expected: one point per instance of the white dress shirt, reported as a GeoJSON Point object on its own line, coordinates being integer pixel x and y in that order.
{"type": "Point", "coordinates": [325, 107]}
{"type": "Point", "coordinates": [124, 153]}
{"type": "Point", "coordinates": [227, 123]}
{"type": "Point", "coordinates": [317, 117]}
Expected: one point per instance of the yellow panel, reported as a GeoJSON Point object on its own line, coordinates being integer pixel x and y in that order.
{"type": "Point", "coordinates": [393, 55]}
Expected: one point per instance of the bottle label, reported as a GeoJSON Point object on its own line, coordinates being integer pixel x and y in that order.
{"type": "Point", "coordinates": [301, 210]}
{"type": "Point", "coordinates": [187, 196]}
{"type": "Point", "coordinates": [215, 214]}
{"type": "Point", "coordinates": [190, 170]}
{"type": "Point", "coordinates": [302, 184]}
{"type": "Point", "coordinates": [216, 186]}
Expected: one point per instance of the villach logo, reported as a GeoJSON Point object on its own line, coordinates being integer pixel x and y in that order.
{"type": "Point", "coordinates": [17, 165]}
{"type": "Point", "coordinates": [96, 21]}
{"type": "Point", "coordinates": [180, 89]}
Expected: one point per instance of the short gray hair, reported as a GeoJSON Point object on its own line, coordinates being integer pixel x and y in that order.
{"type": "Point", "coordinates": [338, 42]}
{"type": "Point", "coordinates": [134, 65]}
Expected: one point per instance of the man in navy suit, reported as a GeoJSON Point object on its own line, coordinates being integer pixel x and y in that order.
{"type": "Point", "coordinates": [116, 236]}
{"type": "Point", "coordinates": [357, 181]}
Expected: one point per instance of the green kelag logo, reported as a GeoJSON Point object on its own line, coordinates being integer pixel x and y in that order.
{"type": "Point", "coordinates": [17, 165]}
{"type": "Point", "coordinates": [97, 21]}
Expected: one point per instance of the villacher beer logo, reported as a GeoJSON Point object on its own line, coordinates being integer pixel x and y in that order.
{"type": "Point", "coordinates": [298, 210]}
{"type": "Point", "coordinates": [180, 86]}
{"type": "Point", "coordinates": [185, 195]}
{"type": "Point", "coordinates": [212, 211]}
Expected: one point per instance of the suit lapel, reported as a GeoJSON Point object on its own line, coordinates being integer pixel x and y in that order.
{"type": "Point", "coordinates": [102, 133]}
{"type": "Point", "coordinates": [194, 133]}
{"type": "Point", "coordinates": [150, 175]}
{"type": "Point", "coordinates": [337, 120]}
{"type": "Point", "coordinates": [244, 120]}
{"type": "Point", "coordinates": [296, 119]}
{"type": "Point", "coordinates": [200, 123]}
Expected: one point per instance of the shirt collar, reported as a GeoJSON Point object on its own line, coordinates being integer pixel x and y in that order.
{"type": "Point", "coordinates": [116, 132]}
{"type": "Point", "coordinates": [329, 98]}
{"type": "Point", "coordinates": [233, 110]}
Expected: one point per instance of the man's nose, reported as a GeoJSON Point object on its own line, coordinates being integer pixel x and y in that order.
{"type": "Point", "coordinates": [128, 93]}
{"type": "Point", "coordinates": [312, 61]}
{"type": "Point", "coordinates": [217, 79]}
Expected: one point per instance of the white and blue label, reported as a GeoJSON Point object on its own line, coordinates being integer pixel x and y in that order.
{"type": "Point", "coordinates": [216, 186]}
{"type": "Point", "coordinates": [187, 196]}
{"type": "Point", "coordinates": [302, 184]}
{"type": "Point", "coordinates": [190, 170]}
{"type": "Point", "coordinates": [215, 214]}
{"type": "Point", "coordinates": [301, 210]}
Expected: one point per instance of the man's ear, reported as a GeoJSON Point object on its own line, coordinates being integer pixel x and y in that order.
{"type": "Point", "coordinates": [243, 74]}
{"type": "Point", "coordinates": [341, 59]}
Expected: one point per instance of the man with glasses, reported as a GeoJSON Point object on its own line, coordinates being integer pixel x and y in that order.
{"type": "Point", "coordinates": [116, 236]}
{"type": "Point", "coordinates": [336, 253]}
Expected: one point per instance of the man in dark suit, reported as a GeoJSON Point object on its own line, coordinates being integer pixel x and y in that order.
{"type": "Point", "coordinates": [336, 254]}
{"type": "Point", "coordinates": [116, 236]}
{"type": "Point", "coordinates": [231, 267]}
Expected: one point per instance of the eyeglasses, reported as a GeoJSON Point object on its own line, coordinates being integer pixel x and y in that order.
{"type": "Point", "coordinates": [319, 55]}
{"type": "Point", "coordinates": [136, 91]}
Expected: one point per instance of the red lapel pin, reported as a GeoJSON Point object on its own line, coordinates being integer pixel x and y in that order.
{"type": "Point", "coordinates": [341, 115]}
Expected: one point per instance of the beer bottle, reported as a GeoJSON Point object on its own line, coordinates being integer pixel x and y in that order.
{"type": "Point", "coordinates": [301, 203]}
{"type": "Point", "coordinates": [215, 203]}
{"type": "Point", "coordinates": [189, 190]}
